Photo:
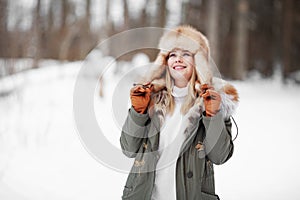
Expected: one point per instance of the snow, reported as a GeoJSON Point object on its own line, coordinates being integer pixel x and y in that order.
{"type": "Point", "coordinates": [265, 163]}
{"type": "Point", "coordinates": [42, 155]}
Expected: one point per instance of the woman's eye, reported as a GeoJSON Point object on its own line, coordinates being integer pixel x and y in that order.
{"type": "Point", "coordinates": [187, 54]}
{"type": "Point", "coordinates": [172, 55]}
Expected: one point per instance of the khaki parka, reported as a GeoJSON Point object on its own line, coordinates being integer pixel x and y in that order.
{"type": "Point", "coordinates": [208, 141]}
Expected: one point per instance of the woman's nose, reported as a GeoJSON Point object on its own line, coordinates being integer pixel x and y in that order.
{"type": "Point", "coordinates": [178, 58]}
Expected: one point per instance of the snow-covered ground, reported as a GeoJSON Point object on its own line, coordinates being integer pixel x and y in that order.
{"type": "Point", "coordinates": [42, 157]}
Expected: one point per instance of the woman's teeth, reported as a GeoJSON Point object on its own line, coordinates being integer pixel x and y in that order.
{"type": "Point", "coordinates": [179, 67]}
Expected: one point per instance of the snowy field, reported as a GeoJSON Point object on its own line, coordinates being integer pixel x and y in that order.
{"type": "Point", "coordinates": [42, 156]}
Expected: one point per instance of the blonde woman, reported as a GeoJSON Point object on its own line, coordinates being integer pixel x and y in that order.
{"type": "Point", "coordinates": [179, 124]}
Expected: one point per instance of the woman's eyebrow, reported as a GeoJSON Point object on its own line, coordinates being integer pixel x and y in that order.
{"type": "Point", "coordinates": [179, 50]}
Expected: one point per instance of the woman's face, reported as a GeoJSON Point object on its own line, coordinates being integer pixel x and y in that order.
{"type": "Point", "coordinates": [181, 65]}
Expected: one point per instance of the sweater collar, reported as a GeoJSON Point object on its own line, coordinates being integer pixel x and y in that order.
{"type": "Point", "coordinates": [179, 92]}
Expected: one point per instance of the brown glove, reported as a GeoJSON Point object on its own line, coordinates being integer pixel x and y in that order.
{"type": "Point", "coordinates": [212, 100]}
{"type": "Point", "coordinates": [140, 97]}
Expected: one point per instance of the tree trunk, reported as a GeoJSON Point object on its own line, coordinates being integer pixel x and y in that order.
{"type": "Point", "coordinates": [185, 10]}
{"type": "Point", "coordinates": [36, 35]}
{"type": "Point", "coordinates": [161, 19]}
{"type": "Point", "coordinates": [241, 41]}
{"type": "Point", "coordinates": [64, 13]}
{"type": "Point", "coordinates": [126, 15]}
{"type": "Point", "coordinates": [66, 36]}
{"type": "Point", "coordinates": [144, 16]}
{"type": "Point", "coordinates": [277, 30]}
{"type": "Point", "coordinates": [287, 34]}
{"type": "Point", "coordinates": [213, 29]}
{"type": "Point", "coordinates": [85, 33]}
{"type": "Point", "coordinates": [109, 25]}
{"type": "Point", "coordinates": [88, 8]}
{"type": "Point", "coordinates": [3, 28]}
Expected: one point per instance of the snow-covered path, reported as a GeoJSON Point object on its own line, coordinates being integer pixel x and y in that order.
{"type": "Point", "coordinates": [41, 156]}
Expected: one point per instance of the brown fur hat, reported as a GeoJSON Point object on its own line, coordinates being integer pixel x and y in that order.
{"type": "Point", "coordinates": [187, 38]}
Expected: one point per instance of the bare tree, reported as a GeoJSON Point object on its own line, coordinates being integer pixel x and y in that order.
{"type": "Point", "coordinates": [67, 33]}
{"type": "Point", "coordinates": [241, 40]}
{"type": "Point", "coordinates": [277, 31]}
{"type": "Point", "coordinates": [161, 13]}
{"type": "Point", "coordinates": [3, 28]}
{"type": "Point", "coordinates": [88, 8]}
{"type": "Point", "coordinates": [144, 16]}
{"type": "Point", "coordinates": [126, 15]}
{"type": "Point", "coordinates": [213, 28]}
{"type": "Point", "coordinates": [85, 31]}
{"type": "Point", "coordinates": [36, 39]}
{"type": "Point", "coordinates": [195, 14]}
{"type": "Point", "coordinates": [287, 35]}
{"type": "Point", "coordinates": [109, 24]}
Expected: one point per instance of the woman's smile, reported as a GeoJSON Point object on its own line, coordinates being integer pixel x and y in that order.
{"type": "Point", "coordinates": [179, 67]}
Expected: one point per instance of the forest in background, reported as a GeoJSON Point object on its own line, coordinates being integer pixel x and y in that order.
{"type": "Point", "coordinates": [245, 36]}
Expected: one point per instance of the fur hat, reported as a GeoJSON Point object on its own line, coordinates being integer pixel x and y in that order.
{"type": "Point", "coordinates": [187, 38]}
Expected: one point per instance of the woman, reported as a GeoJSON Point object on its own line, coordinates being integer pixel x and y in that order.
{"type": "Point", "coordinates": [178, 125]}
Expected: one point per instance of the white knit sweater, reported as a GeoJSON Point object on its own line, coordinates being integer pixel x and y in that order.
{"type": "Point", "coordinates": [170, 141]}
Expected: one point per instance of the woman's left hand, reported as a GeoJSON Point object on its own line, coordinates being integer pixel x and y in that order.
{"type": "Point", "coordinates": [211, 98]}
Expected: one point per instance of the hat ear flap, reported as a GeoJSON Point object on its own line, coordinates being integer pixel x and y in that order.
{"type": "Point", "coordinates": [203, 68]}
{"type": "Point", "coordinates": [158, 68]}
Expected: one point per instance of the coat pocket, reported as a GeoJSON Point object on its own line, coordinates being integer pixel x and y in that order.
{"type": "Point", "coordinates": [135, 186]}
{"type": "Point", "coordinates": [129, 186]}
{"type": "Point", "coordinates": [127, 190]}
{"type": "Point", "coordinates": [207, 196]}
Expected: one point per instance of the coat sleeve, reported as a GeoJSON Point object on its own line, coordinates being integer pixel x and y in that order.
{"type": "Point", "coordinates": [134, 132]}
{"type": "Point", "coordinates": [218, 141]}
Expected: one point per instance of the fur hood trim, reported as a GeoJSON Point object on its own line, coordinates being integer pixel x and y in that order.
{"type": "Point", "coordinates": [229, 96]}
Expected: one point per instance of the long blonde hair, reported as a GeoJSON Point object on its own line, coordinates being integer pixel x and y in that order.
{"type": "Point", "coordinates": [190, 98]}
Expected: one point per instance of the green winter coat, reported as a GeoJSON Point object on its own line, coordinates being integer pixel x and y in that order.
{"type": "Point", "coordinates": [208, 141]}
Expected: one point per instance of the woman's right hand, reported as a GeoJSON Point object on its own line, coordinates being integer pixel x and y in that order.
{"type": "Point", "coordinates": [140, 96]}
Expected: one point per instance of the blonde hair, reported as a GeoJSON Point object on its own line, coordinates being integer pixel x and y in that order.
{"type": "Point", "coordinates": [190, 98]}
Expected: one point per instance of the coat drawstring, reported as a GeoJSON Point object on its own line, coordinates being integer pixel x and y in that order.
{"type": "Point", "coordinates": [237, 129]}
